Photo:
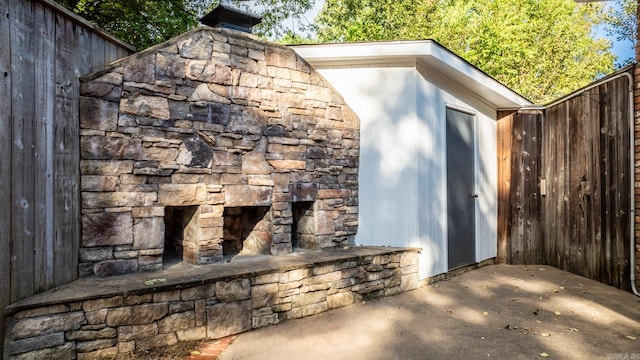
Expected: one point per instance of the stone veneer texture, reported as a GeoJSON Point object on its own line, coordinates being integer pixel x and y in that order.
{"type": "Point", "coordinates": [150, 318]}
{"type": "Point", "coordinates": [212, 119]}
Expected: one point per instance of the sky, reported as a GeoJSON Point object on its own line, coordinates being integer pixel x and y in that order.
{"type": "Point", "coordinates": [622, 49]}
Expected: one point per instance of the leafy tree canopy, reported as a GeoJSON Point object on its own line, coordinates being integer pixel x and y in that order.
{"type": "Point", "coordinates": [542, 49]}
{"type": "Point", "coordinates": [144, 23]}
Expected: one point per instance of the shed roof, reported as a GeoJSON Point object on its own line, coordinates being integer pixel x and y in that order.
{"type": "Point", "coordinates": [427, 53]}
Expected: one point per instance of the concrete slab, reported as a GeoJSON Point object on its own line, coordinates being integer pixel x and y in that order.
{"type": "Point", "coordinates": [495, 312]}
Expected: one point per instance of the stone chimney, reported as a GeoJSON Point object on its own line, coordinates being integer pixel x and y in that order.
{"type": "Point", "coordinates": [230, 18]}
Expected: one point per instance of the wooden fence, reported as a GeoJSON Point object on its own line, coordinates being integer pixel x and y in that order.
{"type": "Point", "coordinates": [565, 188]}
{"type": "Point", "coordinates": [43, 50]}
{"type": "Point", "coordinates": [519, 169]}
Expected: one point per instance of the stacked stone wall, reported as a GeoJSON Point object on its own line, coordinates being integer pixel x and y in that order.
{"type": "Point", "coordinates": [123, 323]}
{"type": "Point", "coordinates": [214, 118]}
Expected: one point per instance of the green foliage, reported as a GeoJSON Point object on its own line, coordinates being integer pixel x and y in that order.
{"type": "Point", "coordinates": [541, 48]}
{"type": "Point", "coordinates": [274, 13]}
{"type": "Point", "coordinates": [144, 23]}
{"type": "Point", "coordinates": [291, 37]}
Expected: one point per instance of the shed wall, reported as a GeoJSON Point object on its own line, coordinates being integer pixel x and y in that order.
{"type": "Point", "coordinates": [402, 163]}
{"type": "Point", "coordinates": [385, 100]}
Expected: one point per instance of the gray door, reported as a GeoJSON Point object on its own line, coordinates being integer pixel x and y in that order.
{"type": "Point", "coordinates": [460, 183]}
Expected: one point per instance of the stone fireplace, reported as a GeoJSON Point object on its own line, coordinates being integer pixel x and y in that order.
{"type": "Point", "coordinates": [212, 145]}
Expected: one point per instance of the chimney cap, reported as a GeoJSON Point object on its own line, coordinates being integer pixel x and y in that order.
{"type": "Point", "coordinates": [231, 18]}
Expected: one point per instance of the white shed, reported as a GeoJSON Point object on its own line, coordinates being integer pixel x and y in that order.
{"type": "Point", "coordinates": [428, 161]}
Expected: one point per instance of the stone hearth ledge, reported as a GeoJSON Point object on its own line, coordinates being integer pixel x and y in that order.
{"type": "Point", "coordinates": [180, 276]}
{"type": "Point", "coordinates": [101, 318]}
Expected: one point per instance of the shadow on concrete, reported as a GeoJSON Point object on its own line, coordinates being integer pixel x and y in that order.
{"type": "Point", "coordinates": [498, 311]}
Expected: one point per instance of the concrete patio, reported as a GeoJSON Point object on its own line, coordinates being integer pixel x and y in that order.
{"type": "Point", "coordinates": [498, 311]}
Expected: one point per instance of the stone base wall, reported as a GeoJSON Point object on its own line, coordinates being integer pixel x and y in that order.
{"type": "Point", "coordinates": [122, 323]}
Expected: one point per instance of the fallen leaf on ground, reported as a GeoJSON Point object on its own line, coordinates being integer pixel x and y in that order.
{"type": "Point", "coordinates": [574, 329]}
{"type": "Point", "coordinates": [557, 313]}
{"type": "Point", "coordinates": [556, 290]}
{"type": "Point", "coordinates": [154, 282]}
{"type": "Point", "coordinates": [508, 327]}
{"type": "Point", "coordinates": [485, 313]}
{"type": "Point", "coordinates": [631, 337]}
{"type": "Point", "coordinates": [544, 354]}
{"type": "Point", "coordinates": [545, 334]}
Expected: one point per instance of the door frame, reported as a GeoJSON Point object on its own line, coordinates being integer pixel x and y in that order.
{"type": "Point", "coordinates": [474, 146]}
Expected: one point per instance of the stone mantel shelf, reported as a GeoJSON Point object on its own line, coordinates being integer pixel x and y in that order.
{"type": "Point", "coordinates": [184, 275]}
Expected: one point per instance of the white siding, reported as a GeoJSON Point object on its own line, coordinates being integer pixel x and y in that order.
{"type": "Point", "coordinates": [402, 196]}
{"type": "Point", "coordinates": [384, 99]}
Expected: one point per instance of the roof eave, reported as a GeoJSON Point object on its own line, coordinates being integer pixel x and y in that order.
{"type": "Point", "coordinates": [426, 52]}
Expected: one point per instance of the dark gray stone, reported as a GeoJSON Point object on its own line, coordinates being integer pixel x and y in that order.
{"type": "Point", "coordinates": [102, 90]}
{"type": "Point", "coordinates": [110, 148]}
{"type": "Point", "coordinates": [245, 120]}
{"type": "Point", "coordinates": [198, 46]}
{"type": "Point", "coordinates": [303, 192]}
{"type": "Point", "coordinates": [178, 110]}
{"type": "Point", "coordinates": [136, 315]}
{"type": "Point", "coordinates": [47, 324]}
{"type": "Point", "coordinates": [115, 267]}
{"type": "Point", "coordinates": [277, 130]}
{"type": "Point", "coordinates": [264, 295]}
{"type": "Point", "coordinates": [87, 335]}
{"type": "Point", "coordinates": [96, 254]}
{"type": "Point", "coordinates": [148, 233]}
{"type": "Point", "coordinates": [98, 114]}
{"type": "Point", "coordinates": [36, 343]}
{"type": "Point", "coordinates": [209, 112]}
{"type": "Point", "coordinates": [228, 319]}
{"type": "Point", "coordinates": [198, 292]}
{"type": "Point", "coordinates": [317, 152]}
{"type": "Point", "coordinates": [103, 229]}
{"type": "Point", "coordinates": [170, 65]}
{"type": "Point", "coordinates": [178, 321]}
{"type": "Point", "coordinates": [63, 352]}
{"type": "Point", "coordinates": [235, 290]}
{"type": "Point", "coordinates": [92, 345]}
{"type": "Point", "coordinates": [195, 153]}
{"type": "Point", "coordinates": [140, 70]}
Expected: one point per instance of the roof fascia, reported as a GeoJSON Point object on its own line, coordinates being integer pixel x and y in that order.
{"type": "Point", "coordinates": [407, 52]}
